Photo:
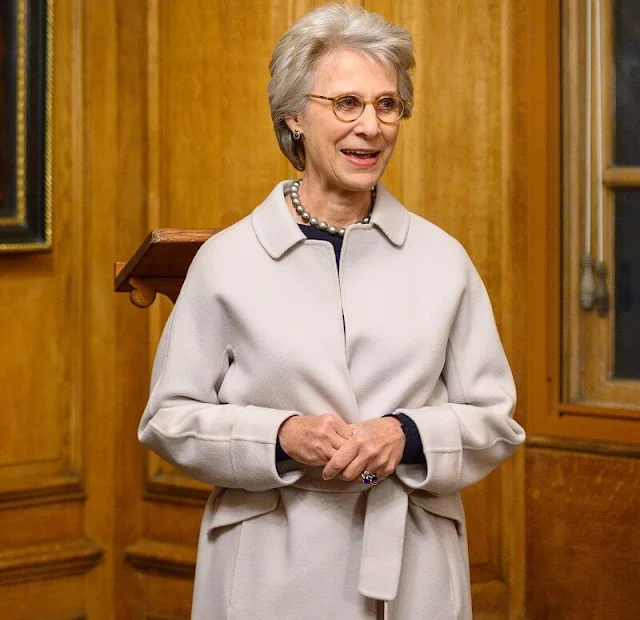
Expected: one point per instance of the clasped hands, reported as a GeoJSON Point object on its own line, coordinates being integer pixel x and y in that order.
{"type": "Point", "coordinates": [342, 449]}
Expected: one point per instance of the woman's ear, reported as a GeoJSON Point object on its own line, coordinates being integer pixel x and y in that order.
{"type": "Point", "coordinates": [293, 123]}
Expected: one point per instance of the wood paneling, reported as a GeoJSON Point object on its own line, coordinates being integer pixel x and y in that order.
{"type": "Point", "coordinates": [166, 559]}
{"type": "Point", "coordinates": [583, 536]}
{"type": "Point", "coordinates": [71, 395]}
{"type": "Point", "coordinates": [47, 560]}
{"type": "Point", "coordinates": [449, 164]}
{"type": "Point", "coordinates": [166, 598]}
{"type": "Point", "coordinates": [129, 226]}
{"type": "Point", "coordinates": [40, 355]}
{"type": "Point", "coordinates": [49, 599]}
{"type": "Point", "coordinates": [45, 550]}
{"type": "Point", "coordinates": [216, 146]}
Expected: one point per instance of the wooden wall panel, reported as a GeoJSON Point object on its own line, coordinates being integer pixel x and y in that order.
{"type": "Point", "coordinates": [46, 550]}
{"type": "Point", "coordinates": [449, 165]}
{"type": "Point", "coordinates": [219, 157]}
{"type": "Point", "coordinates": [40, 355]}
{"type": "Point", "coordinates": [583, 536]}
{"type": "Point", "coordinates": [52, 599]}
{"type": "Point", "coordinates": [131, 355]}
{"type": "Point", "coordinates": [35, 432]}
{"type": "Point", "coordinates": [101, 194]}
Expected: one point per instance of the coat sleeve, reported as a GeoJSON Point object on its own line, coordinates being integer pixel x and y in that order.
{"type": "Point", "coordinates": [465, 438]}
{"type": "Point", "coordinates": [184, 421]}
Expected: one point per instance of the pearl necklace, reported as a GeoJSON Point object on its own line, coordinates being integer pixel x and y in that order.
{"type": "Point", "coordinates": [321, 224]}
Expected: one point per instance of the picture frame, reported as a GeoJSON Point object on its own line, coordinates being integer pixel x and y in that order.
{"type": "Point", "coordinates": [26, 42]}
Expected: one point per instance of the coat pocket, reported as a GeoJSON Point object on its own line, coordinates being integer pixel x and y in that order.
{"type": "Point", "coordinates": [233, 506]}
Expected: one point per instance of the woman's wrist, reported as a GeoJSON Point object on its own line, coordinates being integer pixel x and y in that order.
{"type": "Point", "coordinates": [413, 453]}
{"type": "Point", "coordinates": [397, 420]}
{"type": "Point", "coordinates": [282, 437]}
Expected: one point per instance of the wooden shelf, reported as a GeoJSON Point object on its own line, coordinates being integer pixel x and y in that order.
{"type": "Point", "coordinates": [160, 264]}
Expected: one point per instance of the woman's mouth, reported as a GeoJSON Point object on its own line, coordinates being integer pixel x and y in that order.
{"type": "Point", "coordinates": [361, 157]}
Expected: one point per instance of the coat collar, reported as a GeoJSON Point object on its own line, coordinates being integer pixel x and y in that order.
{"type": "Point", "coordinates": [278, 232]}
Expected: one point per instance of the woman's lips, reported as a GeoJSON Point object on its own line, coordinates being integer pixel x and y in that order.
{"type": "Point", "coordinates": [363, 159]}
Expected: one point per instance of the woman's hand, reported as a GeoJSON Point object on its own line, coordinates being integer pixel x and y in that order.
{"type": "Point", "coordinates": [376, 446]}
{"type": "Point", "coordinates": [313, 439]}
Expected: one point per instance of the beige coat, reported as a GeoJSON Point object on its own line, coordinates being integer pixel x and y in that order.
{"type": "Point", "coordinates": [266, 328]}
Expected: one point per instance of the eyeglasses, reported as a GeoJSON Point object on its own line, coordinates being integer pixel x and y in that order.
{"type": "Point", "coordinates": [349, 108]}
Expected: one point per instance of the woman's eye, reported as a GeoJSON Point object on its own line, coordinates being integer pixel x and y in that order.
{"type": "Point", "coordinates": [348, 103]}
{"type": "Point", "coordinates": [387, 104]}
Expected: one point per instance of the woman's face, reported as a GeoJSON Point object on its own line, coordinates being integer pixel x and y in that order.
{"type": "Point", "coordinates": [347, 156]}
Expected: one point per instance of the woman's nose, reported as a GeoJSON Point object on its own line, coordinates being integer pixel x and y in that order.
{"type": "Point", "coordinates": [368, 123]}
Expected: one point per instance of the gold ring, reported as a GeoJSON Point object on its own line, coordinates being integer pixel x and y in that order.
{"type": "Point", "coordinates": [369, 478]}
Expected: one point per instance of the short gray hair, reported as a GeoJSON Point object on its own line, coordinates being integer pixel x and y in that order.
{"type": "Point", "coordinates": [330, 28]}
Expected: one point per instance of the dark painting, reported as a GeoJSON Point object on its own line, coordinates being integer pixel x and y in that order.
{"type": "Point", "coordinates": [7, 111]}
{"type": "Point", "coordinates": [25, 132]}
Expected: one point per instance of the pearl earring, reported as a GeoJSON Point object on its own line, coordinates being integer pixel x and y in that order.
{"type": "Point", "coordinates": [296, 135]}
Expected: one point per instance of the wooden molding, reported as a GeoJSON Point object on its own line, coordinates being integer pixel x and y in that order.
{"type": "Point", "coordinates": [153, 103]}
{"type": "Point", "coordinates": [175, 489]}
{"type": "Point", "coordinates": [63, 488]}
{"type": "Point", "coordinates": [47, 560]}
{"type": "Point", "coordinates": [168, 559]}
{"type": "Point", "coordinates": [490, 599]}
{"type": "Point", "coordinates": [74, 617]}
{"type": "Point", "coordinates": [620, 176]}
{"type": "Point", "coordinates": [617, 411]}
{"type": "Point", "coordinates": [586, 447]}
{"type": "Point", "coordinates": [554, 422]}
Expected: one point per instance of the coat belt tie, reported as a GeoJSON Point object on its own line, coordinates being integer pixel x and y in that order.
{"type": "Point", "coordinates": [384, 528]}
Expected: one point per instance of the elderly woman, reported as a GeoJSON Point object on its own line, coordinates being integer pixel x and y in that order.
{"type": "Point", "coordinates": [332, 364]}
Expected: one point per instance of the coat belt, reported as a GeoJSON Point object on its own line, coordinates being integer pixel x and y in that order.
{"type": "Point", "coordinates": [384, 528]}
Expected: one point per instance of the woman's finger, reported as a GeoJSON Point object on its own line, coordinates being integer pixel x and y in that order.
{"type": "Point", "coordinates": [338, 436]}
{"type": "Point", "coordinates": [340, 460]}
{"type": "Point", "coordinates": [353, 471]}
{"type": "Point", "coordinates": [343, 429]}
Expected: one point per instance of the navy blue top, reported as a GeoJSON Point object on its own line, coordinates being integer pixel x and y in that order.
{"type": "Point", "coordinates": [413, 451]}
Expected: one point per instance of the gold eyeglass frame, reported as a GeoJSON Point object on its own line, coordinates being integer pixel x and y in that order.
{"type": "Point", "coordinates": [364, 104]}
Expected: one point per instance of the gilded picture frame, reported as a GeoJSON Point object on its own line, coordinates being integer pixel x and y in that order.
{"type": "Point", "coordinates": [26, 28]}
